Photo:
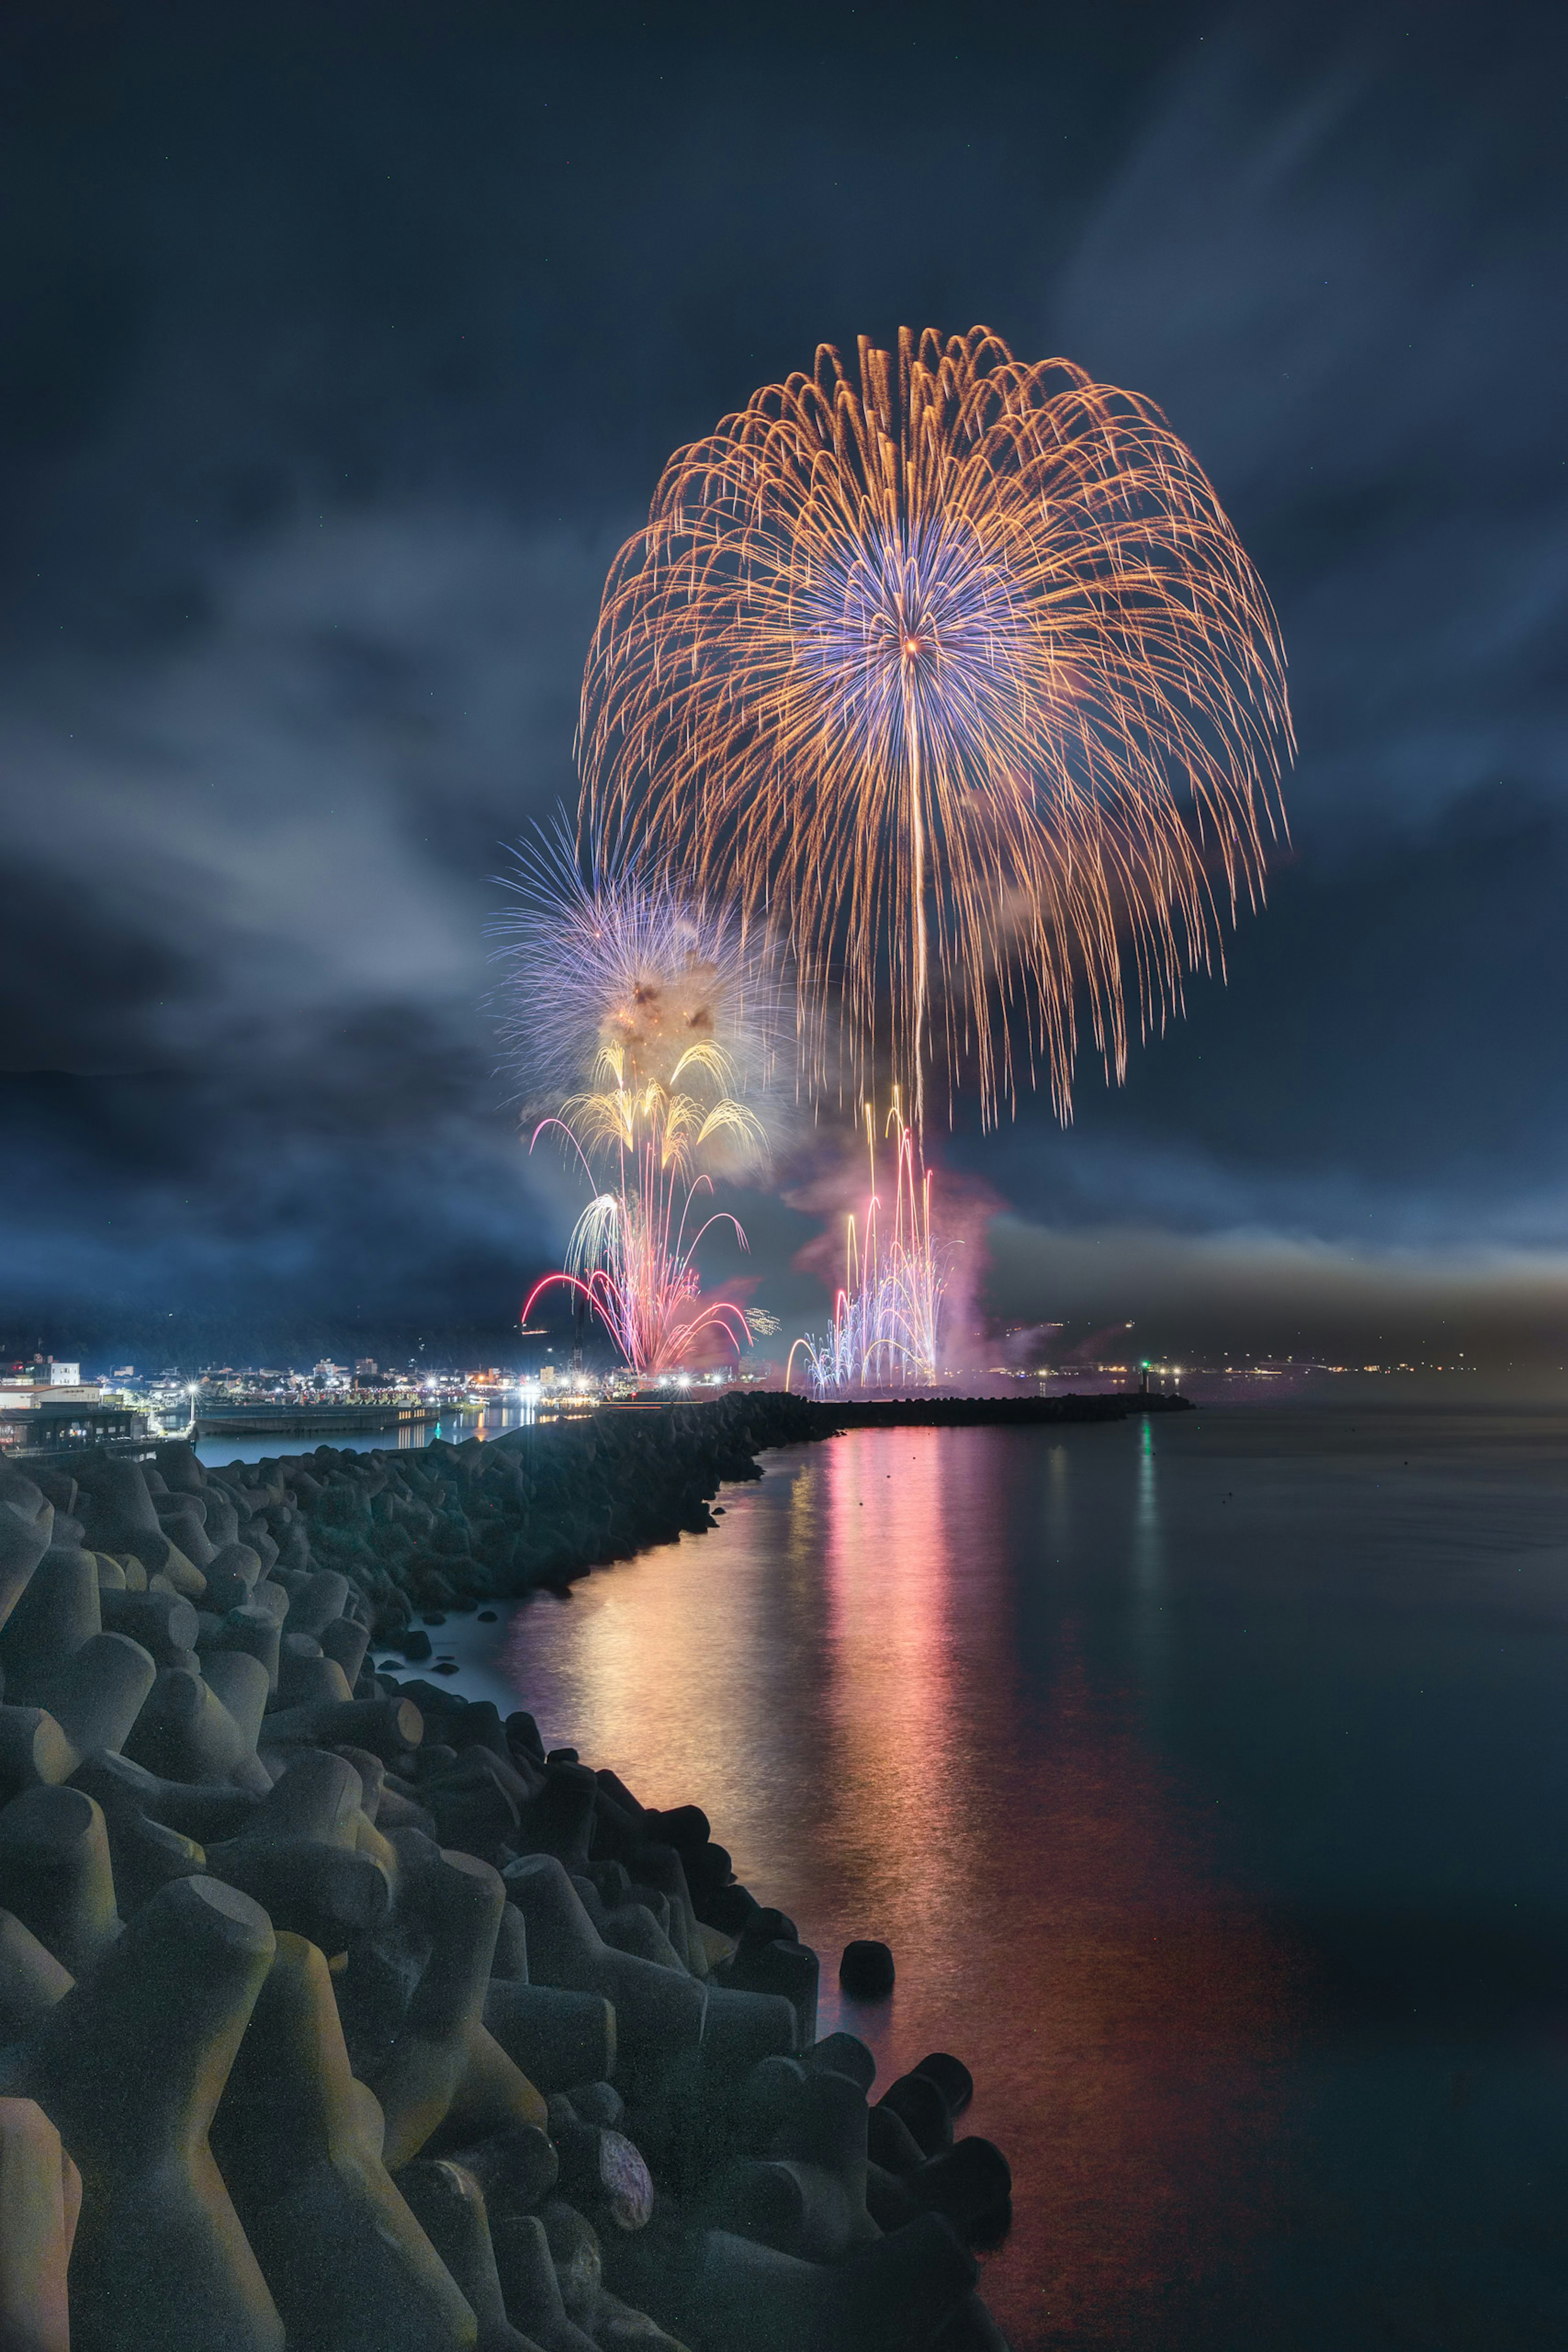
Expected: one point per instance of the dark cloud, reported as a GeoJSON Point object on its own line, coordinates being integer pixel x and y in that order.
{"type": "Point", "coordinates": [1378, 1065]}
{"type": "Point", "coordinates": [1125, 1290]}
{"type": "Point", "coordinates": [1334, 279]}
{"type": "Point", "coordinates": [341, 346]}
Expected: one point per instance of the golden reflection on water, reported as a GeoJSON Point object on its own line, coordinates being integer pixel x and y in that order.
{"type": "Point", "coordinates": [897, 1730]}
{"type": "Point", "coordinates": [895, 1735]}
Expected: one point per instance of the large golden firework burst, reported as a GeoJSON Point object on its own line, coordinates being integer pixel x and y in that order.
{"type": "Point", "coordinates": [959, 673]}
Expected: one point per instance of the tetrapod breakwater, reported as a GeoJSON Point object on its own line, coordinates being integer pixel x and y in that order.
{"type": "Point", "coordinates": [495, 1519]}
{"type": "Point", "coordinates": [338, 2015]}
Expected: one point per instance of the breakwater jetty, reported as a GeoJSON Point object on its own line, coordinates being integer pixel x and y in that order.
{"type": "Point", "coordinates": [495, 1519]}
{"type": "Point", "coordinates": [338, 2016]}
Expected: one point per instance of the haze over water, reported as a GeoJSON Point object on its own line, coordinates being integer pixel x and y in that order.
{"type": "Point", "coordinates": [1208, 1778]}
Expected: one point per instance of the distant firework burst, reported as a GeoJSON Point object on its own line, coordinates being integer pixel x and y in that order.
{"type": "Point", "coordinates": [634, 1009]}
{"type": "Point", "coordinates": [960, 673]}
{"type": "Point", "coordinates": [615, 977]}
{"type": "Point", "coordinates": [631, 1262]}
{"type": "Point", "coordinates": [887, 1317]}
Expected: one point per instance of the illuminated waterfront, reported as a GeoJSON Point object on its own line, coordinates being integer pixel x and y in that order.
{"type": "Point", "coordinates": [1205, 1776]}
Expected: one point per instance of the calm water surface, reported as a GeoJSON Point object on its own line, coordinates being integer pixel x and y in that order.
{"type": "Point", "coordinates": [1210, 1778]}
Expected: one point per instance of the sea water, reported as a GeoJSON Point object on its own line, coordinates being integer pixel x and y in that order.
{"type": "Point", "coordinates": [1208, 1777]}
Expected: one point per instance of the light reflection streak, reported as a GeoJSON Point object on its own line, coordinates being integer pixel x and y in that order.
{"type": "Point", "coordinates": [902, 1724]}
{"type": "Point", "coordinates": [894, 1701]}
{"type": "Point", "coordinates": [1148, 1559]}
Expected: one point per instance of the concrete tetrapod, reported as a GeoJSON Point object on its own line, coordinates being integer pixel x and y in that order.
{"type": "Point", "coordinates": [208, 1810]}
{"type": "Point", "coordinates": [185, 1732]}
{"type": "Point", "coordinates": [442, 2069]}
{"type": "Point", "coordinates": [315, 1890]}
{"type": "Point", "coordinates": [306, 1855]}
{"type": "Point", "coordinates": [316, 1795]}
{"type": "Point", "coordinates": [130, 2068]}
{"type": "Point", "coordinates": [56, 1875]}
{"type": "Point", "coordinates": [250, 1626]}
{"type": "Point", "coordinates": [307, 1678]}
{"type": "Point", "coordinates": [241, 1682]}
{"type": "Point", "coordinates": [31, 1979]}
{"type": "Point", "coordinates": [185, 1528]}
{"type": "Point", "coordinates": [601, 2172]}
{"type": "Point", "coordinates": [843, 2053]}
{"type": "Point", "coordinates": [634, 1906]}
{"type": "Point", "coordinates": [345, 1642]}
{"type": "Point", "coordinates": [180, 1468]}
{"type": "Point", "coordinates": [769, 1958]}
{"type": "Point", "coordinates": [921, 2103]}
{"type": "Point", "coordinates": [163, 1623]}
{"type": "Point", "coordinates": [26, 1531]}
{"type": "Point", "coordinates": [529, 2287]}
{"type": "Point", "coordinates": [634, 1926]}
{"type": "Point", "coordinates": [806, 2194]}
{"type": "Point", "coordinates": [659, 2012]}
{"type": "Point", "coordinates": [660, 1867]}
{"type": "Point", "coordinates": [55, 1655]}
{"type": "Point", "coordinates": [298, 2143]}
{"type": "Point", "coordinates": [449, 2205]}
{"type": "Point", "coordinates": [558, 2037]}
{"type": "Point", "coordinates": [99, 1694]}
{"type": "Point", "coordinates": [40, 2199]}
{"type": "Point", "coordinates": [118, 1513]}
{"type": "Point", "coordinates": [146, 1854]}
{"type": "Point", "coordinates": [514, 2168]}
{"type": "Point", "coordinates": [55, 1614]}
{"type": "Point", "coordinates": [319, 1600]}
{"type": "Point", "coordinates": [387, 1727]}
{"type": "Point", "coordinates": [866, 1970]}
{"type": "Point", "coordinates": [893, 2293]}
{"type": "Point", "coordinates": [33, 1751]}
{"type": "Point", "coordinates": [232, 1573]}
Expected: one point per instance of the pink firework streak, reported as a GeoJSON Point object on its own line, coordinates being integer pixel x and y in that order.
{"type": "Point", "coordinates": [631, 1261]}
{"type": "Point", "coordinates": [887, 1316]}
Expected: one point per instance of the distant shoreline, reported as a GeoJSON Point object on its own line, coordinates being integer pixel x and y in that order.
{"type": "Point", "coordinates": [962, 1412]}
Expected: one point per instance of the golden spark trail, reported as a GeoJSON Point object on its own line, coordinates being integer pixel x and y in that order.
{"type": "Point", "coordinates": [959, 672]}
{"type": "Point", "coordinates": [638, 1010]}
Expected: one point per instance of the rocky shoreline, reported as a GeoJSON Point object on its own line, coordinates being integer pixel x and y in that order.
{"type": "Point", "coordinates": [445, 1525]}
{"type": "Point", "coordinates": [339, 2016]}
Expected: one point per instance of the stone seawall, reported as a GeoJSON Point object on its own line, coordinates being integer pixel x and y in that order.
{"type": "Point", "coordinates": [337, 2016]}
{"type": "Point", "coordinates": [446, 1525]}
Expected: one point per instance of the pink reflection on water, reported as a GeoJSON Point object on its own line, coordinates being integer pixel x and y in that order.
{"type": "Point", "coordinates": [848, 1677]}
{"type": "Point", "coordinates": [1050, 1905]}
{"type": "Point", "coordinates": [895, 1726]}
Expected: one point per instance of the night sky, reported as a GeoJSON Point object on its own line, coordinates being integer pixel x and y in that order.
{"type": "Point", "coordinates": [343, 345]}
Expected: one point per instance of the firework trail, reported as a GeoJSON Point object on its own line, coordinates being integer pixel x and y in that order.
{"type": "Point", "coordinates": [887, 1315]}
{"type": "Point", "coordinates": [649, 1006]}
{"type": "Point", "coordinates": [631, 1261]}
{"type": "Point", "coordinates": [959, 672]}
